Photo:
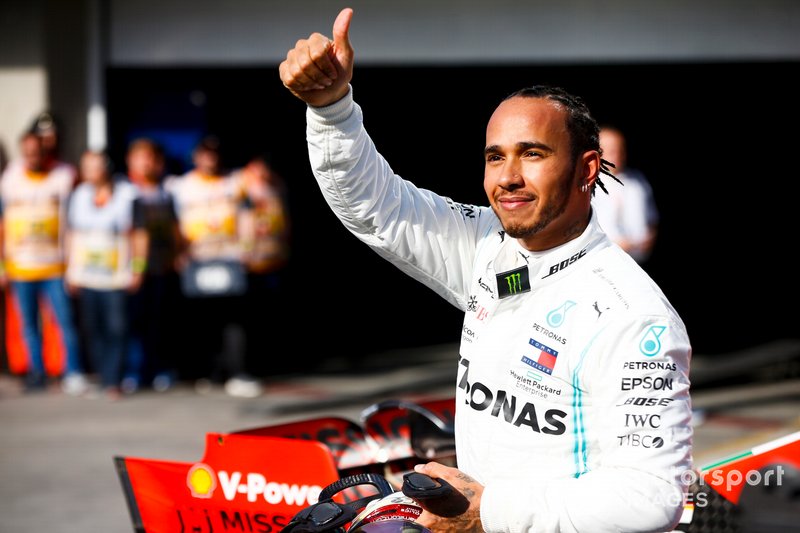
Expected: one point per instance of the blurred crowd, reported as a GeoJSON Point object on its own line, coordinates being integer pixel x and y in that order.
{"type": "Point", "coordinates": [135, 278]}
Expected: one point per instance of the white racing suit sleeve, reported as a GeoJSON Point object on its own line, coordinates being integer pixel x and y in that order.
{"type": "Point", "coordinates": [633, 441]}
{"type": "Point", "coordinates": [427, 236]}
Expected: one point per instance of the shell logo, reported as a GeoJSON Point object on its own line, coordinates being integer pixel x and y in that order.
{"type": "Point", "coordinates": [201, 480]}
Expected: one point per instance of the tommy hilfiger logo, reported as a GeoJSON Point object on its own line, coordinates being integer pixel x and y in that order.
{"type": "Point", "coordinates": [545, 360]}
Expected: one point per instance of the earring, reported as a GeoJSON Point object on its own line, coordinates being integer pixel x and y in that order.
{"type": "Point", "coordinates": [584, 187]}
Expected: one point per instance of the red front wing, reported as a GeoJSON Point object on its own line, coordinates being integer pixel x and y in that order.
{"type": "Point", "coordinates": [256, 480]}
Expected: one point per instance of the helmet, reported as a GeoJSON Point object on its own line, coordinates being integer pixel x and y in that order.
{"type": "Point", "coordinates": [394, 513]}
{"type": "Point", "coordinates": [386, 511]}
{"type": "Point", "coordinates": [390, 526]}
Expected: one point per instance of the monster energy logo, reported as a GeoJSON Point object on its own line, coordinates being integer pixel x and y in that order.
{"type": "Point", "coordinates": [513, 282]}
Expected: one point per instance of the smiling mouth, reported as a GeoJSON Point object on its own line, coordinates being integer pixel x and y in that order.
{"type": "Point", "coordinates": [514, 202]}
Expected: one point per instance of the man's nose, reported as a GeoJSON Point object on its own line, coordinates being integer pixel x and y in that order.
{"type": "Point", "coordinates": [511, 176]}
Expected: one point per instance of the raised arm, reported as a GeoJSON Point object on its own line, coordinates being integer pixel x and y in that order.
{"type": "Point", "coordinates": [429, 237]}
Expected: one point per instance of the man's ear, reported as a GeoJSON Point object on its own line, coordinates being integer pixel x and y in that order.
{"type": "Point", "coordinates": [588, 170]}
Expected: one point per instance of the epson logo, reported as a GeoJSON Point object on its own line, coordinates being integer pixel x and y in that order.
{"type": "Point", "coordinates": [647, 382]}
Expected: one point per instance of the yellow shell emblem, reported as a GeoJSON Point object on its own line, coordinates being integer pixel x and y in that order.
{"type": "Point", "coordinates": [202, 480]}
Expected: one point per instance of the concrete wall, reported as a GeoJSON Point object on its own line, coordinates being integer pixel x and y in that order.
{"type": "Point", "coordinates": [43, 67]}
{"type": "Point", "coordinates": [23, 92]}
{"type": "Point", "coordinates": [66, 58]}
{"type": "Point", "coordinates": [52, 58]}
{"type": "Point", "coordinates": [158, 32]}
{"type": "Point", "coordinates": [23, 77]}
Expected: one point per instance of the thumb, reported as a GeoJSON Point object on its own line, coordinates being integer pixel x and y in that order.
{"type": "Point", "coordinates": [341, 35]}
{"type": "Point", "coordinates": [432, 469]}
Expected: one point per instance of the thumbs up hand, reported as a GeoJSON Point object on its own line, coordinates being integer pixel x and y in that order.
{"type": "Point", "coordinates": [318, 70]}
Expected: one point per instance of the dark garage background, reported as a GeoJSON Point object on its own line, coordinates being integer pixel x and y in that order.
{"type": "Point", "coordinates": [717, 141]}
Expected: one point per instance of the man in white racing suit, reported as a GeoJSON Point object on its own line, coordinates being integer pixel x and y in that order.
{"type": "Point", "coordinates": [572, 403]}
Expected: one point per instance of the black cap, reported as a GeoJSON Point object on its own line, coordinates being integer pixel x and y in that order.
{"type": "Point", "coordinates": [45, 122]}
{"type": "Point", "coordinates": [209, 143]}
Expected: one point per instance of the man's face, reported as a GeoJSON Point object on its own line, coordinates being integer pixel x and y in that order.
{"type": "Point", "coordinates": [613, 145]}
{"type": "Point", "coordinates": [206, 161]}
{"type": "Point", "coordinates": [531, 178]}
{"type": "Point", "coordinates": [32, 154]}
{"type": "Point", "coordinates": [93, 168]}
{"type": "Point", "coordinates": [143, 163]}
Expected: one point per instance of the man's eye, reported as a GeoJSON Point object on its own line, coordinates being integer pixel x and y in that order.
{"type": "Point", "coordinates": [492, 157]}
{"type": "Point", "coordinates": [531, 153]}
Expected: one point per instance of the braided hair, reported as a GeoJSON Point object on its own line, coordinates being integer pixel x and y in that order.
{"type": "Point", "coordinates": [582, 127]}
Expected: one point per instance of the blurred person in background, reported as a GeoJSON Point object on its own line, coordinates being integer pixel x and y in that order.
{"type": "Point", "coordinates": [3, 158]}
{"type": "Point", "coordinates": [48, 128]}
{"type": "Point", "coordinates": [101, 264]}
{"type": "Point", "coordinates": [212, 207]}
{"type": "Point", "coordinates": [267, 246]}
{"type": "Point", "coordinates": [150, 357]}
{"type": "Point", "coordinates": [34, 192]}
{"type": "Point", "coordinates": [628, 214]}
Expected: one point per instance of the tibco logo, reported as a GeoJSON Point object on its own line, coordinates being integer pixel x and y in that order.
{"type": "Point", "coordinates": [202, 480]}
{"type": "Point", "coordinates": [640, 441]}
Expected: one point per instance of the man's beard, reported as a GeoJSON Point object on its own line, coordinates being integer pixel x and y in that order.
{"type": "Point", "coordinates": [521, 230]}
{"type": "Point", "coordinates": [550, 212]}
